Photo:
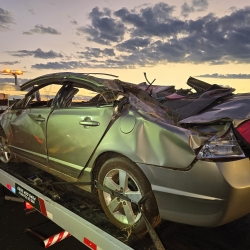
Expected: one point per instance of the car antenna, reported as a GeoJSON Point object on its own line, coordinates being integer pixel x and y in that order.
{"type": "Point", "coordinates": [150, 83]}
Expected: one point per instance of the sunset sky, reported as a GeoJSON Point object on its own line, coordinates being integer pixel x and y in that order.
{"type": "Point", "coordinates": [169, 40]}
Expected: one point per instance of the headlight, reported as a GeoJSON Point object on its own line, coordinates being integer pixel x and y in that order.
{"type": "Point", "coordinates": [221, 146]}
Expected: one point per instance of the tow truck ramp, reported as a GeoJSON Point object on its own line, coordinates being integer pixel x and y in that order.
{"type": "Point", "coordinates": [86, 232]}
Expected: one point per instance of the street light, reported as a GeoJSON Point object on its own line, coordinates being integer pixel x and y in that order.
{"type": "Point", "coordinates": [12, 72]}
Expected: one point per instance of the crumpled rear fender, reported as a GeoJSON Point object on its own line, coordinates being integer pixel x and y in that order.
{"type": "Point", "coordinates": [148, 142]}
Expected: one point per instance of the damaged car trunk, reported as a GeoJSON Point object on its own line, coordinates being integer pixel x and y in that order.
{"type": "Point", "coordinates": [204, 108]}
{"type": "Point", "coordinates": [184, 152]}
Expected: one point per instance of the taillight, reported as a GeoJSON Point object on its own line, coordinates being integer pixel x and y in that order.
{"type": "Point", "coordinates": [222, 145]}
{"type": "Point", "coordinates": [244, 130]}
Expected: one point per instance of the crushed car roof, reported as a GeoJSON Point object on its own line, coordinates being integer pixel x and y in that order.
{"type": "Point", "coordinates": [202, 103]}
{"type": "Point", "coordinates": [62, 77]}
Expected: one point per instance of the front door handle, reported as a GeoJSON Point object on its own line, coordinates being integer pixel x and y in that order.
{"type": "Point", "coordinates": [89, 123]}
{"type": "Point", "coordinates": [40, 118]}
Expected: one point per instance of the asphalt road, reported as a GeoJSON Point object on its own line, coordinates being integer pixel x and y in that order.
{"type": "Point", "coordinates": [14, 221]}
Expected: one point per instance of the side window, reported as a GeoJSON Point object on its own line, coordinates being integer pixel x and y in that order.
{"type": "Point", "coordinates": [21, 104]}
{"type": "Point", "coordinates": [83, 95]}
{"type": "Point", "coordinates": [80, 97]}
{"type": "Point", "coordinates": [44, 97]}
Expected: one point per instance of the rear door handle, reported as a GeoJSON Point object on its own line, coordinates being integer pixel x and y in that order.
{"type": "Point", "coordinates": [40, 118]}
{"type": "Point", "coordinates": [89, 123]}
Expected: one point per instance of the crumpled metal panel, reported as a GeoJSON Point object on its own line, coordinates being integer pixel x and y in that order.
{"type": "Point", "coordinates": [196, 141]}
{"type": "Point", "coordinates": [149, 142]}
{"type": "Point", "coordinates": [29, 134]}
{"type": "Point", "coordinates": [140, 99]}
{"type": "Point", "coordinates": [83, 79]}
{"type": "Point", "coordinates": [211, 129]}
{"type": "Point", "coordinates": [155, 112]}
{"type": "Point", "coordinates": [202, 102]}
{"type": "Point", "coordinates": [234, 108]}
{"type": "Point", "coordinates": [112, 85]}
{"type": "Point", "coordinates": [157, 91]}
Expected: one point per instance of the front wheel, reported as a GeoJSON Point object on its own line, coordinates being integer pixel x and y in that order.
{"type": "Point", "coordinates": [125, 177]}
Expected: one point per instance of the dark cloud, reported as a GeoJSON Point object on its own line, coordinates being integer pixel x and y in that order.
{"type": "Point", "coordinates": [159, 13]}
{"type": "Point", "coordinates": [31, 11]}
{"type": "Point", "coordinates": [156, 38]}
{"type": "Point", "coordinates": [40, 29]}
{"type": "Point", "coordinates": [231, 9]}
{"type": "Point", "coordinates": [196, 5]}
{"type": "Point", "coordinates": [75, 44]}
{"type": "Point", "coordinates": [38, 53]}
{"type": "Point", "coordinates": [151, 21]}
{"type": "Point", "coordinates": [186, 9]}
{"type": "Point", "coordinates": [129, 17]}
{"type": "Point", "coordinates": [226, 76]}
{"type": "Point", "coordinates": [61, 65]}
{"type": "Point", "coordinates": [21, 81]}
{"type": "Point", "coordinates": [27, 33]}
{"type": "Point", "coordinates": [72, 65]}
{"type": "Point", "coordinates": [103, 29]}
{"type": "Point", "coordinates": [74, 22]}
{"type": "Point", "coordinates": [200, 5]}
{"type": "Point", "coordinates": [6, 20]}
{"type": "Point", "coordinates": [10, 63]}
{"type": "Point", "coordinates": [133, 44]}
{"type": "Point", "coordinates": [11, 80]}
{"type": "Point", "coordinates": [152, 35]}
{"type": "Point", "coordinates": [96, 53]}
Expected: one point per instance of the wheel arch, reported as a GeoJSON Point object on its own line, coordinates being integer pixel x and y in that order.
{"type": "Point", "coordinates": [101, 159]}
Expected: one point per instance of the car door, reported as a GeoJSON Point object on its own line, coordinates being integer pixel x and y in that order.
{"type": "Point", "coordinates": [28, 126]}
{"type": "Point", "coordinates": [74, 129]}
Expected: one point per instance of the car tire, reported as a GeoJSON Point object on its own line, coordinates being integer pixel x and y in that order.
{"type": "Point", "coordinates": [122, 175]}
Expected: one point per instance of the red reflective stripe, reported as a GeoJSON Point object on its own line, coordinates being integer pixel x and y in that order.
{"type": "Point", "coordinates": [60, 236]}
{"type": "Point", "coordinates": [42, 207]}
{"type": "Point", "coordinates": [90, 244]}
{"type": "Point", "coordinates": [56, 238]}
{"type": "Point", "coordinates": [49, 241]}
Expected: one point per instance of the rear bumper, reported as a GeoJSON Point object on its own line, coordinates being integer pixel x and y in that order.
{"type": "Point", "coordinates": [210, 194]}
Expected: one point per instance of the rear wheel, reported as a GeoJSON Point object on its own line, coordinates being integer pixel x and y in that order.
{"type": "Point", "coordinates": [4, 150]}
{"type": "Point", "coordinates": [125, 177]}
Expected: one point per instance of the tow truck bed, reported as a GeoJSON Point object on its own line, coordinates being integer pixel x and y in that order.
{"type": "Point", "coordinates": [80, 215]}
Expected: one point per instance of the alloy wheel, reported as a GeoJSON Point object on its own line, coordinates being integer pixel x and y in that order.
{"type": "Point", "coordinates": [122, 182]}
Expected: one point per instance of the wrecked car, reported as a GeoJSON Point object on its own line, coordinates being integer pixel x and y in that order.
{"type": "Point", "coordinates": [178, 154]}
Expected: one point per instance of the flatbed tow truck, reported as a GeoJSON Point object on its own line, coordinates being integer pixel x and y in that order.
{"type": "Point", "coordinates": [76, 212]}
